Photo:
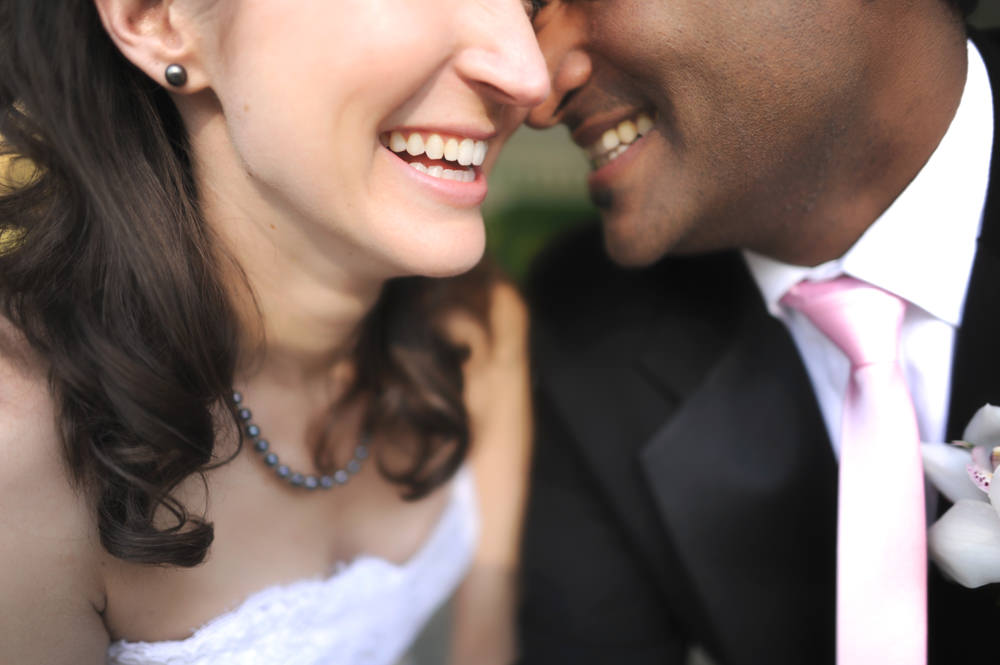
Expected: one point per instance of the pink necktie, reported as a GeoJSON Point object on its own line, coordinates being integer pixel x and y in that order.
{"type": "Point", "coordinates": [881, 524]}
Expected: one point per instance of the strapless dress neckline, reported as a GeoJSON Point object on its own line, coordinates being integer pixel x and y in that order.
{"type": "Point", "coordinates": [367, 612]}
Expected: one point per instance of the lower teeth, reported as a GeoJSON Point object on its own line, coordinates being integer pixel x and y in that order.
{"type": "Point", "coordinates": [598, 162]}
{"type": "Point", "coordinates": [460, 175]}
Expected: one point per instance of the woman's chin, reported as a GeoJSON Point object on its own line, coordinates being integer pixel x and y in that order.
{"type": "Point", "coordinates": [453, 264]}
{"type": "Point", "coordinates": [444, 252]}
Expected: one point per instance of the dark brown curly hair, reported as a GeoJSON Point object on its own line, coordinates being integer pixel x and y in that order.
{"type": "Point", "coordinates": [110, 272]}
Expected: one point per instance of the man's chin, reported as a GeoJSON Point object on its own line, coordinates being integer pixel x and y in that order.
{"type": "Point", "coordinates": [632, 242]}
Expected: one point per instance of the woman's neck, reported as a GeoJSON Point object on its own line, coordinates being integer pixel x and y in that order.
{"type": "Point", "coordinates": [299, 290]}
{"type": "Point", "coordinates": [299, 321]}
{"type": "Point", "coordinates": [298, 325]}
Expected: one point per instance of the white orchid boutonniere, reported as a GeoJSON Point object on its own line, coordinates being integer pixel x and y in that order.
{"type": "Point", "coordinates": [965, 542]}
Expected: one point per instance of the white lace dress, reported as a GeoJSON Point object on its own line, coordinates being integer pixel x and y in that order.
{"type": "Point", "coordinates": [367, 613]}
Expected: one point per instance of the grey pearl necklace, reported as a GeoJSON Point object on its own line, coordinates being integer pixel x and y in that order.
{"type": "Point", "coordinates": [295, 478]}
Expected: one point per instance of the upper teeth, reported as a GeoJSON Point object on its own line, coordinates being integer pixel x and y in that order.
{"type": "Point", "coordinates": [617, 140]}
{"type": "Point", "coordinates": [464, 151]}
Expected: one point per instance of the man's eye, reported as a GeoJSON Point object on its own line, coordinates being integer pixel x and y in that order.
{"type": "Point", "coordinates": [535, 6]}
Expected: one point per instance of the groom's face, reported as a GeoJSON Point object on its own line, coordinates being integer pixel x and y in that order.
{"type": "Point", "coordinates": [747, 99]}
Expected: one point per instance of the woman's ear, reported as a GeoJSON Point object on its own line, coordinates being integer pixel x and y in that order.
{"type": "Point", "coordinates": [153, 35]}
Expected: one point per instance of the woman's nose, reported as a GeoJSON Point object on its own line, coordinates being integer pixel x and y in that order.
{"type": "Point", "coordinates": [502, 57]}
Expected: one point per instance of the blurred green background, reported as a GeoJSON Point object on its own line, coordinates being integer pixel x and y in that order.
{"type": "Point", "coordinates": [538, 188]}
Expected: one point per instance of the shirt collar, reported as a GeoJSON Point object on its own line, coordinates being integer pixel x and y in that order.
{"type": "Point", "coordinates": [923, 246]}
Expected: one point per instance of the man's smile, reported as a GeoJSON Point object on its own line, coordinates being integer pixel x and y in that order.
{"type": "Point", "coordinates": [616, 140]}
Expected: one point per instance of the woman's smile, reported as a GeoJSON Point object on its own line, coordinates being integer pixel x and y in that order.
{"type": "Point", "coordinates": [448, 163]}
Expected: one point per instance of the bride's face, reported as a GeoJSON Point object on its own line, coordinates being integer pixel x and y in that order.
{"type": "Point", "coordinates": [368, 125]}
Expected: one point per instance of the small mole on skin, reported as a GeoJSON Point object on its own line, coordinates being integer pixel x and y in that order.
{"type": "Point", "coordinates": [273, 227]}
{"type": "Point", "coordinates": [246, 107]}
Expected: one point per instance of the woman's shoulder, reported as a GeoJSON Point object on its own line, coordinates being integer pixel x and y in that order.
{"type": "Point", "coordinates": [508, 321]}
{"type": "Point", "coordinates": [499, 339]}
{"type": "Point", "coordinates": [28, 431]}
{"type": "Point", "coordinates": [496, 371]}
{"type": "Point", "coordinates": [49, 549]}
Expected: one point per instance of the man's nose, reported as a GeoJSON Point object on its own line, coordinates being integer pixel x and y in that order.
{"type": "Point", "coordinates": [570, 69]}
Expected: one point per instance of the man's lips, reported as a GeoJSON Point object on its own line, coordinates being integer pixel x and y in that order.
{"type": "Point", "coordinates": [606, 139]}
{"type": "Point", "coordinates": [588, 132]}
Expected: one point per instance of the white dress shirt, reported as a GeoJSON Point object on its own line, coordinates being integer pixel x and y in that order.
{"type": "Point", "coordinates": [921, 249]}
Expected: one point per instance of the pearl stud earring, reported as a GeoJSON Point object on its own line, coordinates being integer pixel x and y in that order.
{"type": "Point", "coordinates": [176, 75]}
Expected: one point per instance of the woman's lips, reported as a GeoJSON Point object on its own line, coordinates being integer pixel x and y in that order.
{"type": "Point", "coordinates": [451, 184]}
{"type": "Point", "coordinates": [443, 156]}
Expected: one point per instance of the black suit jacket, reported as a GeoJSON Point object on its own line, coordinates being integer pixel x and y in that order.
{"type": "Point", "coordinates": [684, 489]}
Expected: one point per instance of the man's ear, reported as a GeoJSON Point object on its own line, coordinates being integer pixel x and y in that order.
{"type": "Point", "coordinates": [153, 34]}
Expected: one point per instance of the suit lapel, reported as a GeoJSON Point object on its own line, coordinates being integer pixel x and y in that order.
{"type": "Point", "coordinates": [587, 388]}
{"type": "Point", "coordinates": [745, 483]}
{"type": "Point", "coordinates": [616, 392]}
